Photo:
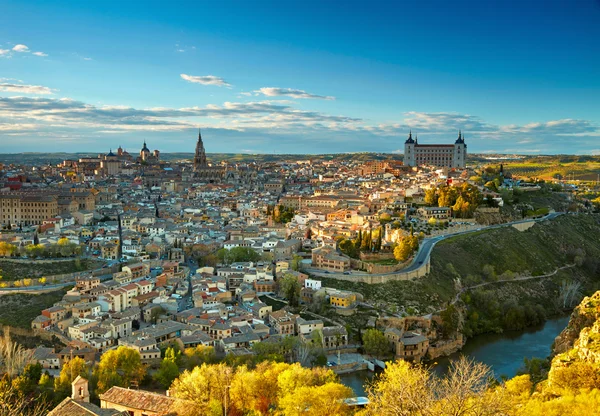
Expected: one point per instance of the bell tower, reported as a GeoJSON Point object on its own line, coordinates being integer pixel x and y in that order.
{"type": "Point", "coordinates": [200, 156]}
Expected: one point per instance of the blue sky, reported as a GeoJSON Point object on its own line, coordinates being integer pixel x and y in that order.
{"type": "Point", "coordinates": [300, 77]}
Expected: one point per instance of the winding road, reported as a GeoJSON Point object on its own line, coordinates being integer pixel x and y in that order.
{"type": "Point", "coordinates": [427, 245]}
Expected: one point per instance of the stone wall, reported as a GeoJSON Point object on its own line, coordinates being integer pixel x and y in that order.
{"type": "Point", "coordinates": [447, 347]}
{"type": "Point", "coordinates": [522, 226]}
{"type": "Point", "coordinates": [419, 272]}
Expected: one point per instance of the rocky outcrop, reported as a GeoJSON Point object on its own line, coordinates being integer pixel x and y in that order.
{"type": "Point", "coordinates": [577, 349]}
{"type": "Point", "coordinates": [584, 316]}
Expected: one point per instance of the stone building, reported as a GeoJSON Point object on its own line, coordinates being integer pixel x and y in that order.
{"type": "Point", "coordinates": [202, 170]}
{"type": "Point", "coordinates": [442, 155]}
{"type": "Point", "coordinates": [27, 209]}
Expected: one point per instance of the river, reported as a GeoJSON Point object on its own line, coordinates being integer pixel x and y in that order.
{"type": "Point", "coordinates": [504, 353]}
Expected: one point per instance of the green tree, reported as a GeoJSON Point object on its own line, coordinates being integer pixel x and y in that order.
{"type": "Point", "coordinates": [290, 288]}
{"type": "Point", "coordinates": [167, 372]}
{"type": "Point", "coordinates": [375, 343]}
{"type": "Point", "coordinates": [450, 320]}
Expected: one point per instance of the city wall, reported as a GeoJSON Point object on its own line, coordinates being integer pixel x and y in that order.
{"type": "Point", "coordinates": [419, 272]}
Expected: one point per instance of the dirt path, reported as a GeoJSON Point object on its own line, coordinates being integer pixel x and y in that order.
{"type": "Point", "coordinates": [516, 279]}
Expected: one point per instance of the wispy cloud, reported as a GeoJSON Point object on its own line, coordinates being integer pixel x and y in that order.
{"type": "Point", "coordinates": [263, 125]}
{"type": "Point", "coordinates": [4, 52]}
{"type": "Point", "coordinates": [40, 54]}
{"type": "Point", "coordinates": [20, 48]}
{"type": "Point", "coordinates": [289, 92]}
{"type": "Point", "coordinates": [206, 80]}
{"type": "Point", "coordinates": [26, 89]}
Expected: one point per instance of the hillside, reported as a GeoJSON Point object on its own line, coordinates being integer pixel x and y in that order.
{"type": "Point", "coordinates": [501, 255]}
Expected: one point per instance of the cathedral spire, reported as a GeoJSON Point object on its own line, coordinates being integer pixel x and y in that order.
{"type": "Point", "coordinates": [200, 155]}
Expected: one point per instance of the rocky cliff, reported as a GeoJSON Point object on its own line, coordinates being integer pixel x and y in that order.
{"type": "Point", "coordinates": [583, 326]}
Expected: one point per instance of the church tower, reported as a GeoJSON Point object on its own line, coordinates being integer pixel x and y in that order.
{"type": "Point", "coordinates": [200, 156]}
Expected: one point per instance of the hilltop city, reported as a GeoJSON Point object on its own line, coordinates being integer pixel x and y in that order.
{"type": "Point", "coordinates": [241, 262]}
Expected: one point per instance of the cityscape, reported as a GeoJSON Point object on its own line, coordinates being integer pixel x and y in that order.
{"type": "Point", "coordinates": [178, 239]}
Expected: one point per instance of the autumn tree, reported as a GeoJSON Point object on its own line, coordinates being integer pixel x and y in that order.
{"type": "Point", "coordinates": [406, 246]}
{"type": "Point", "coordinates": [431, 197]}
{"type": "Point", "coordinates": [69, 372]}
{"type": "Point", "coordinates": [402, 390]}
{"type": "Point", "coordinates": [193, 357]}
{"type": "Point", "coordinates": [206, 387]}
{"type": "Point", "coordinates": [121, 367]}
{"type": "Point", "coordinates": [327, 399]}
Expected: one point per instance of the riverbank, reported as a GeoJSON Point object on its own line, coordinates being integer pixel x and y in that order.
{"type": "Point", "coordinates": [504, 353]}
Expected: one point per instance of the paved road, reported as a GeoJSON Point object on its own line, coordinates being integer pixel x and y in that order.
{"type": "Point", "coordinates": [427, 245]}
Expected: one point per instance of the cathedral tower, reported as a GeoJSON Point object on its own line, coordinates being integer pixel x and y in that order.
{"type": "Point", "coordinates": [200, 156]}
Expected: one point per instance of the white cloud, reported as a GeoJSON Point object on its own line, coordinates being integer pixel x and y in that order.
{"type": "Point", "coordinates": [20, 48]}
{"type": "Point", "coordinates": [4, 52]}
{"type": "Point", "coordinates": [26, 89]}
{"type": "Point", "coordinates": [289, 92]}
{"type": "Point", "coordinates": [87, 59]}
{"type": "Point", "coordinates": [40, 54]}
{"type": "Point", "coordinates": [206, 80]}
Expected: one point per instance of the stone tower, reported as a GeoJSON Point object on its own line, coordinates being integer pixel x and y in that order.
{"type": "Point", "coordinates": [200, 156]}
{"type": "Point", "coordinates": [409, 151]}
{"type": "Point", "coordinates": [460, 151]}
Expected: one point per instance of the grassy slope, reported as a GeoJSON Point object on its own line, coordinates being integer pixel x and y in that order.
{"type": "Point", "coordinates": [10, 270]}
{"type": "Point", "coordinates": [539, 250]}
{"type": "Point", "coordinates": [20, 309]}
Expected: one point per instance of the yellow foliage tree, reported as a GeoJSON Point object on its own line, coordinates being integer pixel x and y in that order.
{"type": "Point", "coordinates": [327, 399]}
{"type": "Point", "coordinates": [121, 367]}
{"type": "Point", "coordinates": [6, 249]}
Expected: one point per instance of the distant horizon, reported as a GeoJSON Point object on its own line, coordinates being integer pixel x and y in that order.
{"type": "Point", "coordinates": [310, 154]}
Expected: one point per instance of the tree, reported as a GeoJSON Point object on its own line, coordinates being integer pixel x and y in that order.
{"type": "Point", "coordinates": [384, 218]}
{"type": "Point", "coordinates": [406, 247]}
{"type": "Point", "coordinates": [13, 403]}
{"type": "Point", "coordinates": [121, 367]}
{"type": "Point", "coordinates": [375, 343]}
{"type": "Point", "coordinates": [431, 197]}
{"type": "Point", "coordinates": [167, 372]}
{"type": "Point", "coordinates": [206, 387]}
{"type": "Point", "coordinates": [7, 249]}
{"type": "Point", "coordinates": [296, 262]}
{"type": "Point", "coordinates": [327, 399]}
{"type": "Point", "coordinates": [402, 390]}
{"type": "Point", "coordinates": [194, 357]}
{"type": "Point", "coordinates": [69, 372]}
{"type": "Point", "coordinates": [349, 248]}
{"type": "Point", "coordinates": [450, 320]}
{"type": "Point", "coordinates": [237, 254]}
{"type": "Point", "coordinates": [290, 288]}
{"type": "Point", "coordinates": [13, 357]}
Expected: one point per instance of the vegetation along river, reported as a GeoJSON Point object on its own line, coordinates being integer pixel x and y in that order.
{"type": "Point", "coordinates": [504, 353]}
